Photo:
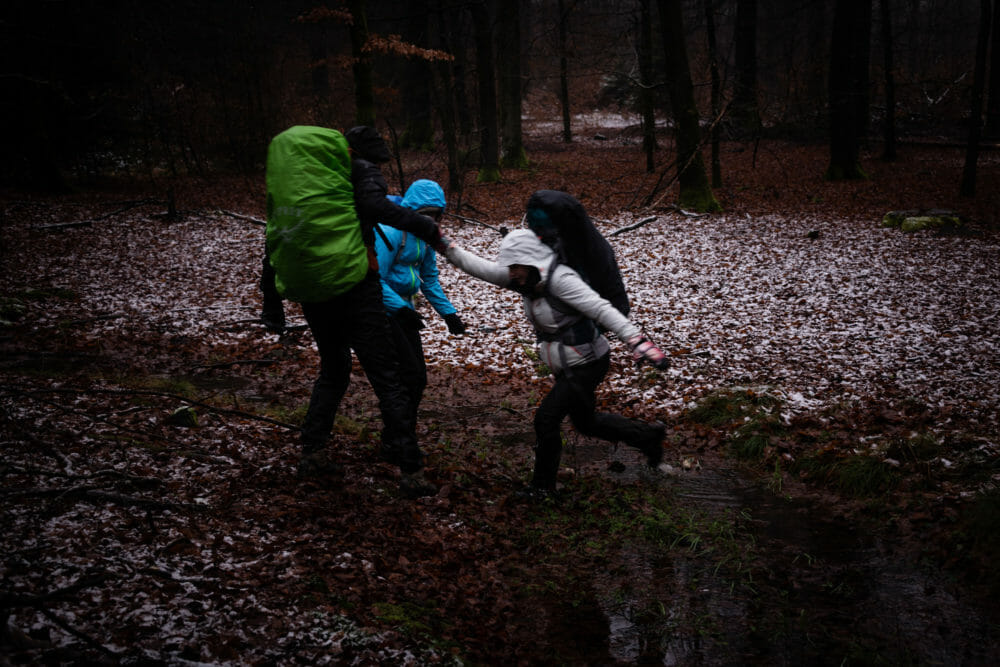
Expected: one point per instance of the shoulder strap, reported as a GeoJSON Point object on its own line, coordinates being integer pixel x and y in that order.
{"type": "Point", "coordinates": [578, 328]}
{"type": "Point", "coordinates": [402, 244]}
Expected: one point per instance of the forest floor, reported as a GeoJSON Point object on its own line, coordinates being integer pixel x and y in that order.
{"type": "Point", "coordinates": [857, 525]}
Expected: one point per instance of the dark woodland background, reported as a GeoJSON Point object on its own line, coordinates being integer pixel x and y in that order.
{"type": "Point", "coordinates": [92, 91]}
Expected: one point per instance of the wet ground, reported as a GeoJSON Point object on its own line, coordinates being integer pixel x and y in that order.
{"type": "Point", "coordinates": [764, 579]}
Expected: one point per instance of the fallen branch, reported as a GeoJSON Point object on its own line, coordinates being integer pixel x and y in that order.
{"type": "Point", "coordinates": [93, 494]}
{"type": "Point", "coordinates": [245, 218]}
{"type": "Point", "coordinates": [636, 225]}
{"type": "Point", "coordinates": [96, 318]}
{"type": "Point", "coordinates": [149, 392]}
{"type": "Point", "coordinates": [502, 231]}
{"type": "Point", "coordinates": [238, 362]}
{"type": "Point", "coordinates": [86, 223]}
{"type": "Point", "coordinates": [64, 225]}
{"type": "Point", "coordinates": [15, 600]}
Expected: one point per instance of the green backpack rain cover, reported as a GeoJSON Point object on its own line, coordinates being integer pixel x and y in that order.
{"type": "Point", "coordinates": [313, 233]}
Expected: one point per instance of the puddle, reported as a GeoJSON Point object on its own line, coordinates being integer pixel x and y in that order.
{"type": "Point", "coordinates": [814, 590]}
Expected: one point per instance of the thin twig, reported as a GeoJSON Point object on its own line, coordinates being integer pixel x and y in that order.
{"type": "Point", "coordinates": [239, 216]}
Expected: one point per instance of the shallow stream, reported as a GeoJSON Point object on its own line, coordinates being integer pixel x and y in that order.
{"type": "Point", "coordinates": [805, 588]}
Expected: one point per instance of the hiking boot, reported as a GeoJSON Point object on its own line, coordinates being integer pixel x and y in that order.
{"type": "Point", "coordinates": [534, 494]}
{"type": "Point", "coordinates": [389, 455]}
{"type": "Point", "coordinates": [415, 485]}
{"type": "Point", "coordinates": [318, 464]}
{"type": "Point", "coordinates": [274, 322]}
{"type": "Point", "coordinates": [652, 444]}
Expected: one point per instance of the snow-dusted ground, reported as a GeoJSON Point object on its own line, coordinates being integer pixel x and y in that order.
{"type": "Point", "coordinates": [851, 314]}
{"type": "Point", "coordinates": [739, 301]}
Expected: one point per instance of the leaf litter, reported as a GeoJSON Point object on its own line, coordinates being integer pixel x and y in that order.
{"type": "Point", "coordinates": [241, 563]}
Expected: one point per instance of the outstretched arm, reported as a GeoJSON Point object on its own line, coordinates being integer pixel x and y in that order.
{"type": "Point", "coordinates": [478, 267]}
{"type": "Point", "coordinates": [567, 286]}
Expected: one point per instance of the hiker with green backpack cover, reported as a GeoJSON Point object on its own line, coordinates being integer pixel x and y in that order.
{"type": "Point", "coordinates": [325, 194]}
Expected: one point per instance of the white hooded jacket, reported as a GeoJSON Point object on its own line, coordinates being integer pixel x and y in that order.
{"type": "Point", "coordinates": [523, 247]}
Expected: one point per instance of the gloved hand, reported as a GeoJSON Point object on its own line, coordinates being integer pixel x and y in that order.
{"type": "Point", "coordinates": [455, 324]}
{"type": "Point", "coordinates": [644, 351]}
{"type": "Point", "coordinates": [441, 243]}
{"type": "Point", "coordinates": [426, 229]}
{"type": "Point", "coordinates": [409, 318]}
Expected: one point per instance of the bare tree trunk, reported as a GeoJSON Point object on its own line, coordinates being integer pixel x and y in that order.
{"type": "Point", "coordinates": [744, 104]}
{"type": "Point", "coordinates": [563, 71]}
{"type": "Point", "coordinates": [695, 190]}
{"type": "Point", "coordinates": [889, 131]}
{"type": "Point", "coordinates": [447, 104]}
{"type": "Point", "coordinates": [716, 92]}
{"type": "Point", "coordinates": [489, 166]}
{"type": "Point", "coordinates": [968, 187]}
{"type": "Point", "coordinates": [364, 92]}
{"type": "Point", "coordinates": [418, 132]}
{"type": "Point", "coordinates": [993, 101]}
{"type": "Point", "coordinates": [646, 105]}
{"type": "Point", "coordinates": [510, 86]}
{"type": "Point", "coordinates": [849, 87]}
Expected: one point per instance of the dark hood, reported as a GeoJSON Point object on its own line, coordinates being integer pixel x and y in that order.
{"type": "Point", "coordinates": [560, 220]}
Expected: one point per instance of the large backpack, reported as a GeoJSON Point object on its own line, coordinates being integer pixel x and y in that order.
{"type": "Point", "coordinates": [313, 233]}
{"type": "Point", "coordinates": [561, 221]}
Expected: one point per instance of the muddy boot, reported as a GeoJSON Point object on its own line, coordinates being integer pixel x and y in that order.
{"type": "Point", "coordinates": [535, 495]}
{"type": "Point", "coordinates": [415, 485]}
{"type": "Point", "coordinates": [318, 463]}
{"type": "Point", "coordinates": [273, 319]}
{"type": "Point", "coordinates": [651, 444]}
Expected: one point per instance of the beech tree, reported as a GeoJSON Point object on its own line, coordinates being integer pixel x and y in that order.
{"type": "Point", "coordinates": [968, 186]}
{"type": "Point", "coordinates": [695, 190]}
{"type": "Point", "coordinates": [744, 104]}
{"type": "Point", "coordinates": [509, 52]}
{"type": "Point", "coordinates": [364, 91]}
{"type": "Point", "coordinates": [848, 87]}
{"type": "Point", "coordinates": [489, 167]}
{"type": "Point", "coordinates": [646, 104]}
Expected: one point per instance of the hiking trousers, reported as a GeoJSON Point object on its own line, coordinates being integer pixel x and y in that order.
{"type": "Point", "coordinates": [356, 320]}
{"type": "Point", "coordinates": [573, 395]}
{"type": "Point", "coordinates": [412, 367]}
{"type": "Point", "coordinates": [273, 308]}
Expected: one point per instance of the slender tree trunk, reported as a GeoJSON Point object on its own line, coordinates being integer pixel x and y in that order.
{"type": "Point", "coordinates": [968, 187]}
{"type": "Point", "coordinates": [445, 93]}
{"type": "Point", "coordinates": [364, 91]}
{"type": "Point", "coordinates": [458, 39]}
{"type": "Point", "coordinates": [489, 167]}
{"type": "Point", "coordinates": [889, 131]}
{"type": "Point", "coordinates": [716, 92]}
{"type": "Point", "coordinates": [563, 71]}
{"type": "Point", "coordinates": [848, 83]}
{"type": "Point", "coordinates": [512, 141]}
{"type": "Point", "coordinates": [993, 101]}
{"type": "Point", "coordinates": [319, 72]}
{"type": "Point", "coordinates": [418, 132]}
{"type": "Point", "coordinates": [646, 105]}
{"type": "Point", "coordinates": [695, 190]}
{"type": "Point", "coordinates": [744, 104]}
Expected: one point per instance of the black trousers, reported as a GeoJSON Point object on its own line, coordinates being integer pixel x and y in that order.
{"type": "Point", "coordinates": [412, 366]}
{"type": "Point", "coordinates": [356, 320]}
{"type": "Point", "coordinates": [273, 308]}
{"type": "Point", "coordinates": [573, 395]}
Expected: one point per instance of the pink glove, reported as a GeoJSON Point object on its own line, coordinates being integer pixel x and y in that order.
{"type": "Point", "coordinates": [644, 351]}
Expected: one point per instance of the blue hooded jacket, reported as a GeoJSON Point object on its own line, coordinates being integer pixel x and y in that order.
{"type": "Point", "coordinates": [411, 265]}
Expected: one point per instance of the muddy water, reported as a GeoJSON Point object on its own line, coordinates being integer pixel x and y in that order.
{"type": "Point", "coordinates": [793, 586]}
